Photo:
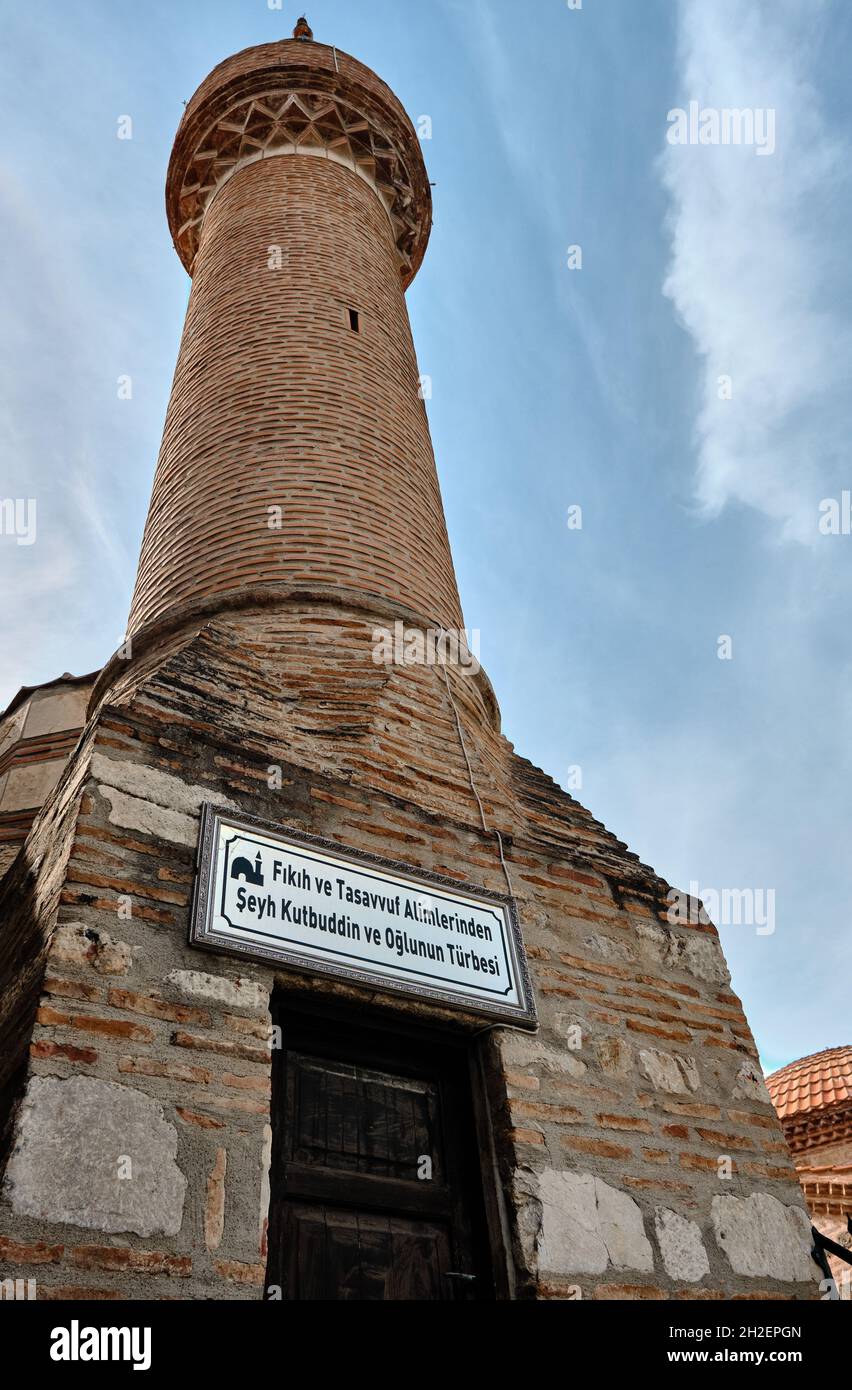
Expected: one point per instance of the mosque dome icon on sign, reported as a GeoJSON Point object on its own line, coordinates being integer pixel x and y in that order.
{"type": "Point", "coordinates": [241, 868]}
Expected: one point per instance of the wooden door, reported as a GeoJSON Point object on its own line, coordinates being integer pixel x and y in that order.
{"type": "Point", "coordinates": [374, 1191]}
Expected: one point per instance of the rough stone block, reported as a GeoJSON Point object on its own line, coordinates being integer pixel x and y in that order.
{"type": "Point", "coordinates": [146, 799]}
{"type": "Point", "coordinates": [762, 1237]}
{"type": "Point", "coordinates": [77, 945]}
{"type": "Point", "coordinates": [681, 1246]}
{"type": "Point", "coordinates": [586, 1225]}
{"type": "Point", "coordinates": [72, 1139]}
{"type": "Point", "coordinates": [222, 989]}
{"type": "Point", "coordinates": [521, 1050]}
{"type": "Point", "coordinates": [750, 1084]}
{"type": "Point", "coordinates": [669, 1072]}
{"type": "Point", "coordinates": [615, 1056]}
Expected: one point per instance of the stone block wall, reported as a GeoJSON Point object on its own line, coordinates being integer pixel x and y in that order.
{"type": "Point", "coordinates": [140, 1118]}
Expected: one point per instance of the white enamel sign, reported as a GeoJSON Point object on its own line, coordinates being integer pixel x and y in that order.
{"type": "Point", "coordinates": [284, 896]}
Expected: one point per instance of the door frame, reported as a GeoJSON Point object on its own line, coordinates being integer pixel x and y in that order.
{"type": "Point", "coordinates": [311, 1009]}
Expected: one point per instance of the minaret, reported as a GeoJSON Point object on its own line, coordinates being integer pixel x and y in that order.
{"type": "Point", "coordinates": [296, 449]}
{"type": "Point", "coordinates": [219, 1082]}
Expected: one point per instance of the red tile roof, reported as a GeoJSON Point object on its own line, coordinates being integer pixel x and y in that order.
{"type": "Point", "coordinates": [813, 1083]}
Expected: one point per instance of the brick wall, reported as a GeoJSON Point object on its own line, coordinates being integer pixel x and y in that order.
{"type": "Point", "coordinates": [278, 403]}
{"type": "Point", "coordinates": [610, 1123]}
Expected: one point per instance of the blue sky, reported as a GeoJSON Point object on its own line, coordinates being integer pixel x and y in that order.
{"type": "Point", "coordinates": [552, 387]}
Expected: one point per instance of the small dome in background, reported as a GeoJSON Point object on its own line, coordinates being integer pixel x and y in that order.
{"type": "Point", "coordinates": [812, 1083]}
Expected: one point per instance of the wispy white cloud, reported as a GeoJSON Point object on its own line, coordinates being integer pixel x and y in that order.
{"type": "Point", "coordinates": [755, 271]}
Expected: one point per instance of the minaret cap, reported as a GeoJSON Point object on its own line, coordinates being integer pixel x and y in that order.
{"type": "Point", "coordinates": [303, 29]}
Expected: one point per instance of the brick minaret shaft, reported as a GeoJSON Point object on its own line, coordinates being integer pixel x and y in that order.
{"type": "Point", "coordinates": [299, 203]}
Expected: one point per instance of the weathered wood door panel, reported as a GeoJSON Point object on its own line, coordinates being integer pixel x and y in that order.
{"type": "Point", "coordinates": [337, 1253]}
{"type": "Point", "coordinates": [374, 1192]}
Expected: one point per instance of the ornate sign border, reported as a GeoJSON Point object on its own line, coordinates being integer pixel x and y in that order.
{"type": "Point", "coordinates": [202, 934]}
